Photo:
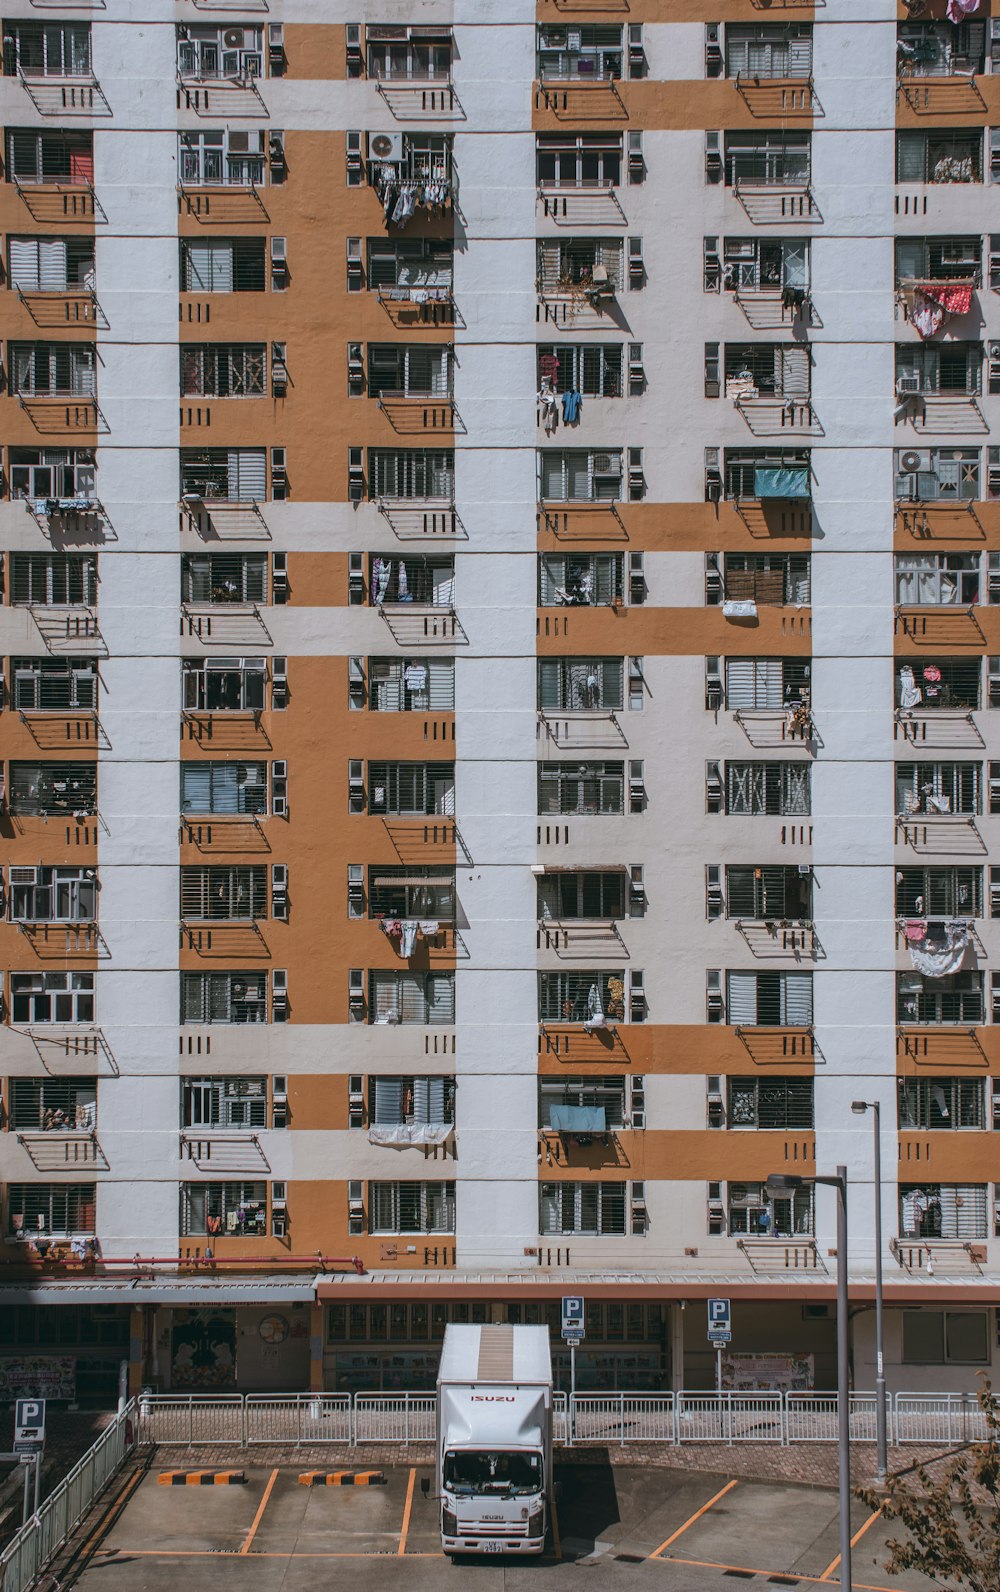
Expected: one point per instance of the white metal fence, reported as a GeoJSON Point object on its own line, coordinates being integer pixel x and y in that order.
{"type": "Point", "coordinates": [784, 1419]}
{"type": "Point", "coordinates": [24, 1558]}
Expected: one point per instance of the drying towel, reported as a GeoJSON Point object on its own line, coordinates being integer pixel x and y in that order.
{"type": "Point", "coordinates": [940, 956]}
{"type": "Point", "coordinates": [957, 9]}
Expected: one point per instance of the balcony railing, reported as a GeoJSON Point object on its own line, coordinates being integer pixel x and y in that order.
{"type": "Point", "coordinates": [777, 96]}
{"type": "Point", "coordinates": [58, 413]}
{"type": "Point", "coordinates": [421, 100]}
{"type": "Point", "coordinates": [767, 203]}
{"type": "Point", "coordinates": [225, 624]}
{"type": "Point", "coordinates": [770, 415]}
{"type": "Point", "coordinates": [417, 412]}
{"type": "Point", "coordinates": [220, 96]}
{"type": "Point", "coordinates": [581, 99]}
{"type": "Point", "coordinates": [65, 96]}
{"type": "Point", "coordinates": [61, 200]}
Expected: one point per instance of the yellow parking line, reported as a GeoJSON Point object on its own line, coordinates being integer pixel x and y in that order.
{"type": "Point", "coordinates": [696, 1516]}
{"type": "Point", "coordinates": [406, 1513]}
{"type": "Point", "coordinates": [791, 1575]}
{"type": "Point", "coordinates": [856, 1538]}
{"type": "Point", "coordinates": [258, 1517]}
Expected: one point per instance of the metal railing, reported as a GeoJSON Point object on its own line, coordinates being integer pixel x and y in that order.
{"type": "Point", "coordinates": [30, 1550]}
{"type": "Point", "coordinates": [780, 1418]}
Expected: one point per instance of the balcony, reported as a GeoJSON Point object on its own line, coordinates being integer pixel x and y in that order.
{"type": "Point", "coordinates": [580, 730]}
{"type": "Point", "coordinates": [770, 1257]}
{"type": "Point", "coordinates": [939, 625]}
{"type": "Point", "coordinates": [66, 631]}
{"type": "Point", "coordinates": [928, 1256]}
{"type": "Point", "coordinates": [788, 726]}
{"type": "Point", "coordinates": [68, 308]}
{"type": "Point", "coordinates": [922, 405]}
{"type": "Point", "coordinates": [224, 833]}
{"type": "Point", "coordinates": [946, 728]}
{"type": "Point", "coordinates": [773, 416]}
{"type": "Point", "coordinates": [61, 96]}
{"type": "Point", "coordinates": [952, 833]}
{"type": "Point", "coordinates": [944, 94]}
{"type": "Point", "coordinates": [213, 1151]}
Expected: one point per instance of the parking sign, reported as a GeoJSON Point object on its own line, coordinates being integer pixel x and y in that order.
{"type": "Point", "coordinates": [572, 1316]}
{"type": "Point", "coordinates": [29, 1425]}
{"type": "Point", "coordinates": [720, 1320]}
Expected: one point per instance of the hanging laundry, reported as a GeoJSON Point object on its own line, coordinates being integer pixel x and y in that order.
{"type": "Point", "coordinates": [571, 405]}
{"type": "Point", "coordinates": [408, 942]}
{"type": "Point", "coordinates": [548, 364]}
{"type": "Point", "coordinates": [430, 929]}
{"type": "Point", "coordinates": [910, 694]}
{"type": "Point", "coordinates": [403, 594]}
{"type": "Point", "coordinates": [382, 574]}
{"type": "Point", "coordinates": [942, 951]}
{"type": "Point", "coordinates": [959, 9]}
{"type": "Point", "coordinates": [933, 302]}
{"type": "Point", "coordinates": [547, 405]}
{"type": "Point", "coordinates": [415, 677]}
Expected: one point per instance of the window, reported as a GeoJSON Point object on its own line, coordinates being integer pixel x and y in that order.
{"type": "Point", "coordinates": [756, 264]}
{"type": "Point", "coordinates": [579, 54]}
{"type": "Point", "coordinates": [53, 1104]}
{"type": "Point", "coordinates": [416, 892]}
{"type": "Point", "coordinates": [946, 1337]}
{"type": "Point", "coordinates": [402, 54]}
{"type": "Point", "coordinates": [43, 370]}
{"type": "Point", "coordinates": [938, 683]}
{"type": "Point", "coordinates": [412, 473]}
{"type": "Point", "coordinates": [409, 370]}
{"type": "Point", "coordinates": [593, 369]}
{"type": "Point", "coordinates": [938, 49]}
{"type": "Point", "coordinates": [411, 1207]}
{"type": "Point", "coordinates": [955, 998]}
{"type": "Point", "coordinates": [213, 1210]}
{"type": "Point", "coordinates": [49, 790]}
{"type": "Point", "coordinates": [207, 50]}
{"type": "Point", "coordinates": [426, 1101]}
{"type": "Point", "coordinates": [769, 893]}
{"type": "Point", "coordinates": [940, 156]}
{"type": "Point", "coordinates": [581, 997]}
{"type": "Point", "coordinates": [580, 579]}
{"type": "Point", "coordinates": [949, 369]}
{"type": "Point", "coordinates": [769, 1000]}
{"type": "Point", "coordinates": [52, 895]}
{"type": "Point", "coordinates": [939, 892]}
{"type": "Point", "coordinates": [761, 473]}
{"type": "Point", "coordinates": [774, 160]}
{"type": "Point", "coordinates": [411, 685]}
{"type": "Point", "coordinates": [224, 1103]}
{"type": "Point", "coordinates": [52, 1210]}
{"type": "Point", "coordinates": [785, 1103]}
{"type": "Point", "coordinates": [767, 370]}
{"type": "Point", "coordinates": [938, 260]}
{"type": "Point", "coordinates": [221, 159]}
{"type": "Point", "coordinates": [578, 160]}
{"type": "Point", "coordinates": [52, 997]}
{"type": "Point", "coordinates": [777, 578]}
{"type": "Point", "coordinates": [233, 475]}
{"type": "Point", "coordinates": [50, 265]}
{"type": "Point", "coordinates": [938, 788]}
{"type": "Point", "coordinates": [411, 790]}
{"type": "Point", "coordinates": [50, 155]}
{"type": "Point", "coordinates": [941, 1103]}
{"type": "Point", "coordinates": [753, 1214]}
{"type": "Point", "coordinates": [594, 1208]}
{"type": "Point", "coordinates": [567, 263]}
{"type": "Point", "coordinates": [416, 579]}
{"type": "Point", "coordinates": [580, 788]}
{"type": "Point", "coordinates": [217, 685]}
{"type": "Point", "coordinates": [224, 577]}
{"type": "Point", "coordinates": [765, 683]}
{"type": "Point", "coordinates": [397, 997]}
{"type": "Point", "coordinates": [51, 473]}
{"type": "Point", "coordinates": [942, 1210]}
{"type": "Point", "coordinates": [580, 476]}
{"type": "Point", "coordinates": [937, 579]}
{"type": "Point", "coordinates": [223, 265]}
{"type": "Point", "coordinates": [932, 475]}
{"type": "Point", "coordinates": [426, 157]}
{"type": "Point", "coordinates": [223, 894]}
{"type": "Point", "coordinates": [607, 1094]}
{"type": "Point", "coordinates": [59, 579]}
{"type": "Point", "coordinates": [224, 788]}
{"type": "Point", "coordinates": [768, 49]}
{"type": "Point", "coordinates": [51, 49]}
{"type": "Point", "coordinates": [224, 997]}
{"type": "Point", "coordinates": [223, 370]}
{"type": "Point", "coordinates": [54, 685]}
{"type": "Point", "coordinates": [580, 684]}
{"type": "Point", "coordinates": [410, 262]}
{"type": "Point", "coordinates": [591, 896]}
{"type": "Point", "coordinates": [780, 789]}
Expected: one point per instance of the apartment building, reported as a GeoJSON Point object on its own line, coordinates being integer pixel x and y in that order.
{"type": "Point", "coordinates": [500, 746]}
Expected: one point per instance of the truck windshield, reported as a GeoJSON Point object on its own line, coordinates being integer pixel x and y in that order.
{"type": "Point", "coordinates": [475, 1472]}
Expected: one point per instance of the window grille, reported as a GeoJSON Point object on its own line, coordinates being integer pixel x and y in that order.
{"type": "Point", "coordinates": [220, 894]}
{"type": "Point", "coordinates": [53, 1104]}
{"type": "Point", "coordinates": [943, 1210]}
{"type": "Point", "coordinates": [221, 1209]}
{"type": "Point", "coordinates": [410, 790]}
{"type": "Point", "coordinates": [769, 1000]}
{"type": "Point", "coordinates": [51, 1210]}
{"type": "Point", "coordinates": [224, 1102]}
{"type": "Point", "coordinates": [56, 579]}
{"type": "Point", "coordinates": [411, 1207]}
{"type": "Point", "coordinates": [780, 1103]}
{"type": "Point", "coordinates": [49, 789]}
{"type": "Point", "coordinates": [234, 788]}
{"type": "Point", "coordinates": [398, 997]}
{"type": "Point", "coordinates": [581, 788]}
{"type": "Point", "coordinates": [224, 997]}
{"type": "Point", "coordinates": [223, 265]}
{"type": "Point", "coordinates": [595, 1208]}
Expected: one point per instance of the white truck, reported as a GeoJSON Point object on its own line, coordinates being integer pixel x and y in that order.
{"type": "Point", "coordinates": [494, 1439]}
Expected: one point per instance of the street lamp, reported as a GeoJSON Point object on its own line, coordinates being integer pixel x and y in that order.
{"type": "Point", "coordinates": [859, 1107]}
{"type": "Point", "coordinates": [778, 1184]}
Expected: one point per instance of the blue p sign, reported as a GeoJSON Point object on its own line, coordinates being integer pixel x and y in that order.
{"type": "Point", "coordinates": [719, 1315]}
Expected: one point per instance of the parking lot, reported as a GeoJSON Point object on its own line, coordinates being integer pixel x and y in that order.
{"type": "Point", "coordinates": [675, 1530]}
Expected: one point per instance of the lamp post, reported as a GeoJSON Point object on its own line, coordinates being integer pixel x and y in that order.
{"type": "Point", "coordinates": [859, 1107]}
{"type": "Point", "coordinates": [778, 1184]}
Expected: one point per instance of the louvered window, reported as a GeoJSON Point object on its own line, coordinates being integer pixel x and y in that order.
{"type": "Point", "coordinates": [220, 1209]}
{"type": "Point", "coordinates": [595, 1208]}
{"type": "Point", "coordinates": [224, 997]}
{"type": "Point", "coordinates": [224, 788]}
{"type": "Point", "coordinates": [54, 685]}
{"type": "Point", "coordinates": [943, 1210]}
{"type": "Point", "coordinates": [232, 475]}
{"type": "Point", "coordinates": [223, 894]}
{"type": "Point", "coordinates": [396, 997]}
{"type": "Point", "coordinates": [579, 684]}
{"type": "Point", "coordinates": [781, 789]}
{"type": "Point", "coordinates": [763, 683]}
{"type": "Point", "coordinates": [224, 1102]}
{"type": "Point", "coordinates": [50, 265]}
{"type": "Point", "coordinates": [769, 1000]}
{"type": "Point", "coordinates": [411, 790]}
{"type": "Point", "coordinates": [411, 685]}
{"type": "Point", "coordinates": [60, 579]}
{"type": "Point", "coordinates": [580, 477]}
{"type": "Point", "coordinates": [579, 578]}
{"type": "Point", "coordinates": [411, 1207]}
{"type": "Point", "coordinates": [427, 1101]}
{"type": "Point", "coordinates": [581, 788]}
{"type": "Point", "coordinates": [51, 1210]}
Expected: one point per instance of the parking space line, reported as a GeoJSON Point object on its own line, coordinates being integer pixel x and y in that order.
{"type": "Point", "coordinates": [258, 1517]}
{"type": "Point", "coordinates": [827, 1573]}
{"type": "Point", "coordinates": [786, 1575]}
{"type": "Point", "coordinates": [691, 1520]}
{"type": "Point", "coordinates": [400, 1551]}
{"type": "Point", "coordinates": [270, 1553]}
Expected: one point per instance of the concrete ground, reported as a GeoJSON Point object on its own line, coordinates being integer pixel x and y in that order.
{"type": "Point", "coordinates": [671, 1531]}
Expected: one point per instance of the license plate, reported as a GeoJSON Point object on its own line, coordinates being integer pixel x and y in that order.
{"type": "Point", "coordinates": [493, 1547]}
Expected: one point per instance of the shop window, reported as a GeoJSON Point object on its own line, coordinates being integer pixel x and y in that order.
{"type": "Point", "coordinates": [945, 1337]}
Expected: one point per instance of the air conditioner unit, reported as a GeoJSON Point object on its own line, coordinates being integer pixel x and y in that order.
{"type": "Point", "coordinates": [913, 460]}
{"type": "Point", "coordinates": [279, 1223]}
{"type": "Point", "coordinates": [908, 383]}
{"type": "Point", "coordinates": [243, 143]}
{"type": "Point", "coordinates": [385, 146]}
{"type": "Point", "coordinates": [23, 876]}
{"type": "Point", "coordinates": [232, 38]}
{"type": "Point", "coordinates": [744, 1199]}
{"type": "Point", "coordinates": [553, 39]}
{"type": "Point", "coordinates": [279, 994]}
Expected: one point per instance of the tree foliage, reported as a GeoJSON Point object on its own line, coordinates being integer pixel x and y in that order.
{"type": "Point", "coordinates": [952, 1521]}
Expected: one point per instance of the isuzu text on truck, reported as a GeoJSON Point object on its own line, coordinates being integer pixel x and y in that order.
{"type": "Point", "coordinates": [494, 1439]}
